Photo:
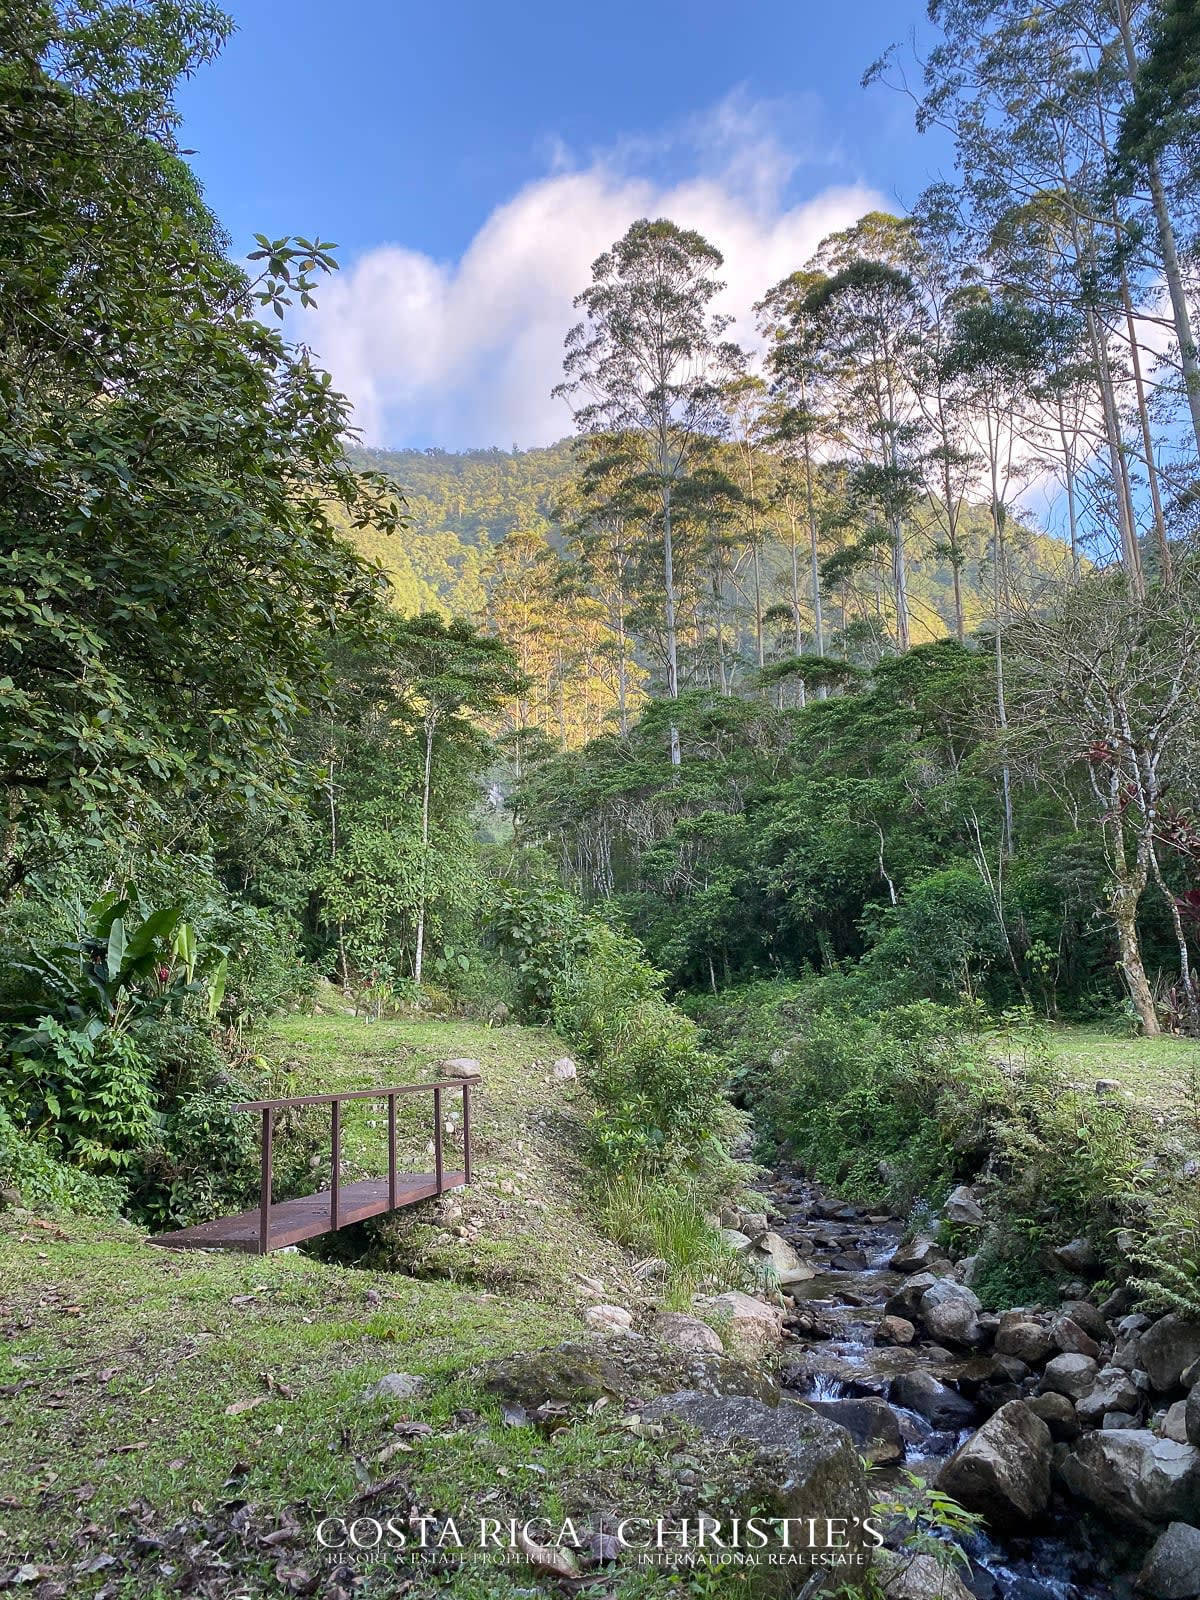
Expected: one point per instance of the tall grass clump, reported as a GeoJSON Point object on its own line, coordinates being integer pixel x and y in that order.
{"type": "Point", "coordinates": [667, 1222]}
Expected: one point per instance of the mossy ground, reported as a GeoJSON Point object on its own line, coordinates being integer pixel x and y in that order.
{"type": "Point", "coordinates": [165, 1413]}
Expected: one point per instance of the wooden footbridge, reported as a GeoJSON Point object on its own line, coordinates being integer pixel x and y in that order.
{"type": "Point", "coordinates": [273, 1226]}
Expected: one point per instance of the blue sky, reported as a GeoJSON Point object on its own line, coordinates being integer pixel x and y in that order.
{"type": "Point", "coordinates": [472, 160]}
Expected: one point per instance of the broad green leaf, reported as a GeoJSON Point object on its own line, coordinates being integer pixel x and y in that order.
{"type": "Point", "coordinates": [117, 946]}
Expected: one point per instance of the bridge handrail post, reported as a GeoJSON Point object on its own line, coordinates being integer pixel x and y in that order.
{"type": "Point", "coordinates": [264, 1217]}
{"type": "Point", "coordinates": [437, 1139]}
{"type": "Point", "coordinates": [335, 1177]}
{"type": "Point", "coordinates": [466, 1091]}
{"type": "Point", "coordinates": [391, 1100]}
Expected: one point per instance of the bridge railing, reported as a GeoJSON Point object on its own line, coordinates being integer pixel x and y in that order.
{"type": "Point", "coordinates": [268, 1109]}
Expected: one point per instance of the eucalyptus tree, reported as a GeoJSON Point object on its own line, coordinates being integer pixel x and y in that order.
{"type": "Point", "coordinates": [994, 352]}
{"type": "Point", "coordinates": [951, 457]}
{"type": "Point", "coordinates": [448, 674]}
{"type": "Point", "coordinates": [798, 430]}
{"type": "Point", "coordinates": [710, 506]}
{"type": "Point", "coordinates": [600, 514]}
{"type": "Point", "coordinates": [649, 360]}
{"type": "Point", "coordinates": [1161, 119]}
{"type": "Point", "coordinates": [860, 319]}
{"type": "Point", "coordinates": [747, 405]}
{"type": "Point", "coordinates": [1034, 98]}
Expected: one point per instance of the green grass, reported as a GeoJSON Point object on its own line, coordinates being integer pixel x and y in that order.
{"type": "Point", "coordinates": [1162, 1074]}
{"type": "Point", "coordinates": [669, 1224]}
{"type": "Point", "coordinates": [120, 1362]}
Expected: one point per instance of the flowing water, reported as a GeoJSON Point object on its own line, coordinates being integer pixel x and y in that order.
{"type": "Point", "coordinates": [832, 1355]}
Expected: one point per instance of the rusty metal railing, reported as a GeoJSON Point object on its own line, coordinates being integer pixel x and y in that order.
{"type": "Point", "coordinates": [268, 1108]}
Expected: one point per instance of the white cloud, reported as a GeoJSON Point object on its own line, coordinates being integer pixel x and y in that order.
{"type": "Point", "coordinates": [467, 352]}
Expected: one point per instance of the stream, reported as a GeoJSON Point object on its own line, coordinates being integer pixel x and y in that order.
{"type": "Point", "coordinates": [831, 1355]}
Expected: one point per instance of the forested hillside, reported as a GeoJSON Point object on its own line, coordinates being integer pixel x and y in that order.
{"type": "Point", "coordinates": [461, 504]}
{"type": "Point", "coordinates": [484, 529]}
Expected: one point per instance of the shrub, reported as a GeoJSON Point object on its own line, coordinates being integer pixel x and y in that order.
{"type": "Point", "coordinates": [543, 931]}
{"type": "Point", "coordinates": [46, 1183]}
{"type": "Point", "coordinates": [203, 1157]}
{"type": "Point", "coordinates": [881, 1107]}
{"type": "Point", "coordinates": [84, 1092]}
{"type": "Point", "coordinates": [945, 929]}
{"type": "Point", "coordinates": [663, 1108]}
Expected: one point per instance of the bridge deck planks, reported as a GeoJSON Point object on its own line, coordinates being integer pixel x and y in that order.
{"type": "Point", "coordinates": [293, 1221]}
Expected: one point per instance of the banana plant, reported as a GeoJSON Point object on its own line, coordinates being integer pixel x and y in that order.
{"type": "Point", "coordinates": [130, 961]}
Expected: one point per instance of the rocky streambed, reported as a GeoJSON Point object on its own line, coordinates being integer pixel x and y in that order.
{"type": "Point", "coordinates": [1073, 1428]}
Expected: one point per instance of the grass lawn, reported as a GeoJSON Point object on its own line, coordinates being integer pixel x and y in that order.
{"type": "Point", "coordinates": [178, 1422]}
{"type": "Point", "coordinates": [1162, 1074]}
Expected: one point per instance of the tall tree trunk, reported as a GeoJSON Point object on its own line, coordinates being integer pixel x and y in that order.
{"type": "Point", "coordinates": [1143, 410]}
{"type": "Point", "coordinates": [758, 608]}
{"type": "Point", "coordinates": [343, 963]}
{"type": "Point", "coordinates": [814, 555]}
{"type": "Point", "coordinates": [1131, 556]}
{"type": "Point", "coordinates": [1186, 981]}
{"type": "Point", "coordinates": [1124, 910]}
{"type": "Point", "coordinates": [1085, 270]}
{"type": "Point", "coordinates": [419, 956]}
{"type": "Point", "coordinates": [900, 583]}
{"type": "Point", "coordinates": [1000, 613]}
{"type": "Point", "coordinates": [672, 641]}
{"type": "Point", "coordinates": [756, 558]}
{"type": "Point", "coordinates": [719, 631]}
{"type": "Point", "coordinates": [1172, 271]}
{"type": "Point", "coordinates": [952, 514]}
{"type": "Point", "coordinates": [797, 629]}
{"type": "Point", "coordinates": [814, 565]}
{"type": "Point", "coordinates": [1069, 474]}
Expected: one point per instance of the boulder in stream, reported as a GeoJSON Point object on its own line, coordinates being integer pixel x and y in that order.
{"type": "Point", "coordinates": [1191, 1416]}
{"type": "Point", "coordinates": [1072, 1340]}
{"type": "Point", "coordinates": [916, 1255]}
{"type": "Point", "coordinates": [909, 1577]}
{"type": "Point", "coordinates": [906, 1302]}
{"type": "Point", "coordinates": [962, 1207]}
{"type": "Point", "coordinates": [1003, 1471]}
{"type": "Point", "coordinates": [871, 1423]}
{"type": "Point", "coordinates": [895, 1330]}
{"type": "Point", "coordinates": [1114, 1390]}
{"type": "Point", "coordinates": [1089, 1317]}
{"type": "Point", "coordinates": [1173, 1424]}
{"type": "Point", "coordinates": [775, 1250]}
{"type": "Point", "coordinates": [940, 1405]}
{"type": "Point", "coordinates": [1172, 1569]}
{"type": "Point", "coordinates": [1135, 1477]}
{"type": "Point", "coordinates": [1057, 1412]}
{"type": "Point", "coordinates": [749, 1327]}
{"type": "Point", "coordinates": [1166, 1349]}
{"type": "Point", "coordinates": [951, 1312]}
{"type": "Point", "coordinates": [803, 1465]}
{"type": "Point", "coordinates": [1070, 1375]}
{"type": "Point", "coordinates": [1025, 1336]}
